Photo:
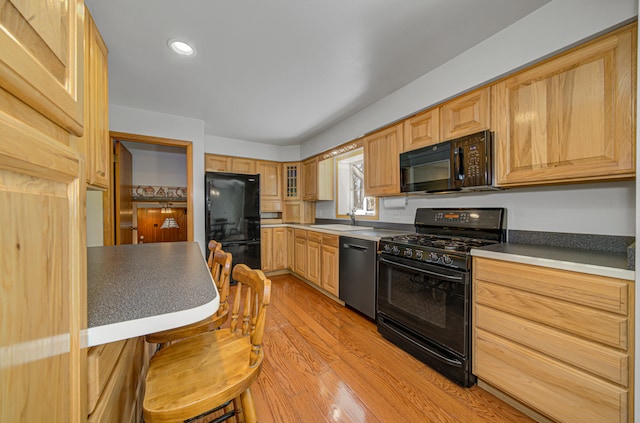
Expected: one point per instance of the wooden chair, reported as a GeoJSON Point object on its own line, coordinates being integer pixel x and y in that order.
{"type": "Point", "coordinates": [213, 247]}
{"type": "Point", "coordinates": [209, 372]}
{"type": "Point", "coordinates": [221, 272]}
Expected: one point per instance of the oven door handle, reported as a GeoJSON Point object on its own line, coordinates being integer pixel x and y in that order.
{"type": "Point", "coordinates": [428, 272]}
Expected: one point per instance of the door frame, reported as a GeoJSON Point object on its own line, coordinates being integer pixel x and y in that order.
{"type": "Point", "coordinates": [109, 195]}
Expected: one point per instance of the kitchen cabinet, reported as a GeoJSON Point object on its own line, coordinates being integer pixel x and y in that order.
{"type": "Point", "coordinates": [570, 118]}
{"type": "Point", "coordinates": [421, 130]}
{"type": "Point", "coordinates": [382, 162]}
{"type": "Point", "coordinates": [292, 185]}
{"type": "Point", "coordinates": [467, 114]}
{"type": "Point", "coordinates": [273, 249]}
{"type": "Point", "coordinates": [116, 381]}
{"type": "Point", "coordinates": [270, 185]}
{"type": "Point", "coordinates": [242, 165]}
{"type": "Point", "coordinates": [310, 179]}
{"type": "Point", "coordinates": [42, 201]}
{"type": "Point", "coordinates": [541, 334]}
{"type": "Point", "coordinates": [299, 212]}
{"type": "Point", "coordinates": [314, 259]}
{"type": "Point", "coordinates": [300, 252]}
{"type": "Point", "coordinates": [329, 273]}
{"type": "Point", "coordinates": [218, 163]}
{"type": "Point", "coordinates": [95, 143]}
{"type": "Point", "coordinates": [291, 248]}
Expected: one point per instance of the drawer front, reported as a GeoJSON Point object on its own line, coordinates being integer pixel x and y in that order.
{"type": "Point", "coordinates": [301, 233]}
{"type": "Point", "coordinates": [597, 359]}
{"type": "Point", "coordinates": [603, 293]}
{"type": "Point", "coordinates": [556, 390]}
{"type": "Point", "coordinates": [314, 236]}
{"type": "Point", "coordinates": [607, 328]}
{"type": "Point", "coordinates": [101, 360]}
{"type": "Point", "coordinates": [331, 240]}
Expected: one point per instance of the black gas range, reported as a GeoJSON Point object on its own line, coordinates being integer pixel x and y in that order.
{"type": "Point", "coordinates": [424, 285]}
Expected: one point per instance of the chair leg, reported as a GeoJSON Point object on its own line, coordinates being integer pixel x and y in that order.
{"type": "Point", "coordinates": [248, 408]}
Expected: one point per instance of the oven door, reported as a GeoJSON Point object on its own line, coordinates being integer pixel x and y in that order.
{"type": "Point", "coordinates": [430, 301]}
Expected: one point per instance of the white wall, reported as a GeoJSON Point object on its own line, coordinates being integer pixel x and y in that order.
{"type": "Point", "coordinates": [159, 168]}
{"type": "Point", "coordinates": [594, 208]}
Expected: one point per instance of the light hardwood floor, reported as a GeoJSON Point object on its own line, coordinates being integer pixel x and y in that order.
{"type": "Point", "coordinates": [327, 363]}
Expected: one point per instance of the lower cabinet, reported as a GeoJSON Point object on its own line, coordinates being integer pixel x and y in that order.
{"type": "Point", "coordinates": [273, 249]}
{"type": "Point", "coordinates": [557, 341]}
{"type": "Point", "coordinates": [314, 245]}
{"type": "Point", "coordinates": [330, 259]}
{"type": "Point", "coordinates": [300, 252]}
{"type": "Point", "coordinates": [291, 242]}
{"type": "Point", "coordinates": [116, 374]}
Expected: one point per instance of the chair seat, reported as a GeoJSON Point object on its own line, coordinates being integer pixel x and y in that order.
{"type": "Point", "coordinates": [198, 374]}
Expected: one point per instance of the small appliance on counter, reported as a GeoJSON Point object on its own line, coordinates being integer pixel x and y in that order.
{"type": "Point", "coordinates": [232, 215]}
{"type": "Point", "coordinates": [424, 286]}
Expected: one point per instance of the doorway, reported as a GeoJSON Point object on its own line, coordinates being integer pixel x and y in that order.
{"type": "Point", "coordinates": [120, 214]}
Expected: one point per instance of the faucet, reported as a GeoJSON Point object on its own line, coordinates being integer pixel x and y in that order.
{"type": "Point", "coordinates": [353, 216]}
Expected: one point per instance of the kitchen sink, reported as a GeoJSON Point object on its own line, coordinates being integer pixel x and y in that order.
{"type": "Point", "coordinates": [342, 228]}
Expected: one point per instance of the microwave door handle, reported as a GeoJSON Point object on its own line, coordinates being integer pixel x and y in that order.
{"type": "Point", "coordinates": [459, 163]}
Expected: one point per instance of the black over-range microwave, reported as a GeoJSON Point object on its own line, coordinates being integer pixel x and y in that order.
{"type": "Point", "coordinates": [461, 164]}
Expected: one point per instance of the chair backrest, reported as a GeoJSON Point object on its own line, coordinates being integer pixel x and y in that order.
{"type": "Point", "coordinates": [213, 247]}
{"type": "Point", "coordinates": [253, 290]}
{"type": "Point", "coordinates": [221, 273]}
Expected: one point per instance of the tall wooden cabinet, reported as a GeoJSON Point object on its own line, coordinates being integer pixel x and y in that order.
{"type": "Point", "coordinates": [382, 161]}
{"type": "Point", "coordinates": [571, 118]}
{"type": "Point", "coordinates": [270, 185]}
{"type": "Point", "coordinates": [42, 202]}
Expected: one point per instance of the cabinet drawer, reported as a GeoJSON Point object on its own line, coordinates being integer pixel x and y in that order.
{"type": "Point", "coordinates": [558, 391]}
{"type": "Point", "coordinates": [599, 326]}
{"type": "Point", "coordinates": [100, 362]}
{"type": "Point", "coordinates": [301, 233]}
{"type": "Point", "coordinates": [600, 292]}
{"type": "Point", "coordinates": [331, 240]}
{"type": "Point", "coordinates": [314, 236]}
{"type": "Point", "coordinates": [597, 359]}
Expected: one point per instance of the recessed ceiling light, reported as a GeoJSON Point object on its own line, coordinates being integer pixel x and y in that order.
{"type": "Point", "coordinates": [181, 47]}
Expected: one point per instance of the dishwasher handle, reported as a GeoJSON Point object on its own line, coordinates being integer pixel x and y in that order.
{"type": "Point", "coordinates": [355, 247]}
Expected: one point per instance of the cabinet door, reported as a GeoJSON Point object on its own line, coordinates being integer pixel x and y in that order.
{"type": "Point", "coordinates": [310, 179]}
{"type": "Point", "coordinates": [314, 243]}
{"type": "Point", "coordinates": [279, 249]}
{"type": "Point", "coordinates": [330, 257]}
{"type": "Point", "coordinates": [291, 249]}
{"type": "Point", "coordinates": [95, 143]}
{"type": "Point", "coordinates": [266, 249]}
{"type": "Point", "coordinates": [270, 186]}
{"type": "Point", "coordinates": [571, 118]}
{"type": "Point", "coordinates": [422, 130]}
{"type": "Point", "coordinates": [214, 163]}
{"type": "Point", "coordinates": [466, 114]}
{"type": "Point", "coordinates": [241, 165]}
{"type": "Point", "coordinates": [300, 255]}
{"type": "Point", "coordinates": [292, 183]}
{"type": "Point", "coordinates": [42, 58]}
{"type": "Point", "coordinates": [382, 162]}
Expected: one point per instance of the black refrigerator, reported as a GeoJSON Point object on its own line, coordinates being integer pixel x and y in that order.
{"type": "Point", "coordinates": [232, 215]}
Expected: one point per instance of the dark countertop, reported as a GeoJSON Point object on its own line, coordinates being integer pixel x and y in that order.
{"type": "Point", "coordinates": [134, 290]}
{"type": "Point", "coordinates": [371, 233]}
{"type": "Point", "coordinates": [604, 263]}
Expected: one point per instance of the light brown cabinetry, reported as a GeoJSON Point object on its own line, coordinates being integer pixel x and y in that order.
{"type": "Point", "coordinates": [291, 248]}
{"type": "Point", "coordinates": [330, 261]}
{"type": "Point", "coordinates": [242, 165]}
{"type": "Point", "coordinates": [300, 252]}
{"type": "Point", "coordinates": [466, 114]}
{"type": "Point", "coordinates": [42, 201]}
{"type": "Point", "coordinates": [273, 249]}
{"type": "Point", "coordinates": [381, 161]}
{"type": "Point", "coordinates": [310, 179]}
{"type": "Point", "coordinates": [571, 118]}
{"type": "Point", "coordinates": [299, 212]}
{"type": "Point", "coordinates": [314, 246]}
{"type": "Point", "coordinates": [542, 334]}
{"type": "Point", "coordinates": [270, 185]}
{"type": "Point", "coordinates": [421, 130]}
{"type": "Point", "coordinates": [292, 181]}
{"type": "Point", "coordinates": [215, 163]}
{"type": "Point", "coordinates": [95, 144]}
{"type": "Point", "coordinates": [116, 381]}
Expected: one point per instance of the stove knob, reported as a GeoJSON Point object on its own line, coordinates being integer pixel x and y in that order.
{"type": "Point", "coordinates": [447, 260]}
{"type": "Point", "coordinates": [419, 254]}
{"type": "Point", "coordinates": [395, 250]}
{"type": "Point", "coordinates": [408, 252]}
{"type": "Point", "coordinates": [387, 248]}
{"type": "Point", "coordinates": [433, 257]}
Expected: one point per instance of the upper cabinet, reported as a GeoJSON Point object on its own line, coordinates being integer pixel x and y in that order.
{"type": "Point", "coordinates": [42, 58]}
{"type": "Point", "coordinates": [242, 165]}
{"type": "Point", "coordinates": [571, 118]}
{"type": "Point", "coordinates": [382, 161]}
{"type": "Point", "coordinates": [95, 143]}
{"type": "Point", "coordinates": [465, 115]}
{"type": "Point", "coordinates": [270, 186]}
{"type": "Point", "coordinates": [215, 163]}
{"type": "Point", "coordinates": [292, 183]}
{"type": "Point", "coordinates": [422, 130]}
{"type": "Point", "coordinates": [310, 179]}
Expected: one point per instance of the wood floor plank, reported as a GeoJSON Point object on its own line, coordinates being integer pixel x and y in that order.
{"type": "Point", "coordinates": [327, 363]}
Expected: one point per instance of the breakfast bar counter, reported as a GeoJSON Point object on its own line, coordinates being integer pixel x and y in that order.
{"type": "Point", "coordinates": [134, 290]}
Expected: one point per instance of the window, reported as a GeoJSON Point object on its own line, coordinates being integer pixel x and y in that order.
{"type": "Point", "coordinates": [350, 187]}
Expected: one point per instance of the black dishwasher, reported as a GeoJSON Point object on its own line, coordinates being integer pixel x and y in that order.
{"type": "Point", "coordinates": [358, 274]}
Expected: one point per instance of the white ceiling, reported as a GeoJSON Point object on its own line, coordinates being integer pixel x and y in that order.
{"type": "Point", "coordinates": [282, 71]}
